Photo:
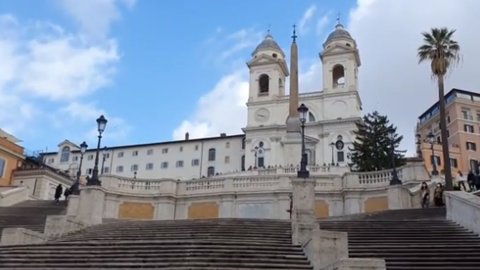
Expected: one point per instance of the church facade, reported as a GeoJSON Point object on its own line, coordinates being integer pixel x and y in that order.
{"type": "Point", "coordinates": [272, 136]}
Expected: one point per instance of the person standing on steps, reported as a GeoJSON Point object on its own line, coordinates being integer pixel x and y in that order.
{"type": "Point", "coordinates": [461, 181]}
{"type": "Point", "coordinates": [438, 195]}
{"type": "Point", "coordinates": [471, 180]}
{"type": "Point", "coordinates": [58, 193]}
{"type": "Point", "coordinates": [425, 195]}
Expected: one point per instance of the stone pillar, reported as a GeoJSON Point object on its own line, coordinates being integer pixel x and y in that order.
{"type": "Point", "coordinates": [90, 207]}
{"type": "Point", "coordinates": [303, 215]}
{"type": "Point", "coordinates": [322, 248]}
{"type": "Point", "coordinates": [72, 207]}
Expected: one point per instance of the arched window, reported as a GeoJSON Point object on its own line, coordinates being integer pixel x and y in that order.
{"type": "Point", "coordinates": [338, 75]}
{"type": "Point", "coordinates": [65, 156]}
{"type": "Point", "coordinates": [263, 84]}
{"type": "Point", "coordinates": [311, 117]}
{"type": "Point", "coordinates": [211, 154]}
{"type": "Point", "coordinates": [210, 171]}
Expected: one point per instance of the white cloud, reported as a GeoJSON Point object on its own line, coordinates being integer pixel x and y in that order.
{"type": "Point", "coordinates": [220, 110]}
{"type": "Point", "coordinates": [85, 114]}
{"type": "Point", "coordinates": [306, 18]}
{"type": "Point", "coordinates": [95, 16]}
{"type": "Point", "coordinates": [323, 22]}
{"type": "Point", "coordinates": [44, 66]}
{"type": "Point", "coordinates": [391, 80]}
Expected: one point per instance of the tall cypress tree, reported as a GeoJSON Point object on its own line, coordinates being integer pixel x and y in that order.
{"type": "Point", "coordinates": [372, 148]}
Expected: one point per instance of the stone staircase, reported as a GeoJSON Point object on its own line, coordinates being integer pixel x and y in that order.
{"type": "Point", "coordinates": [414, 239]}
{"type": "Point", "coordinates": [180, 244]}
{"type": "Point", "coordinates": [30, 214]}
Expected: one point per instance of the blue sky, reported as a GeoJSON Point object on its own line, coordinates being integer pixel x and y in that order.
{"type": "Point", "coordinates": [159, 68]}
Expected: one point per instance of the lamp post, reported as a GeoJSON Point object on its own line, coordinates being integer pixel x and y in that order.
{"type": "Point", "coordinates": [75, 187]}
{"type": "Point", "coordinates": [332, 145]}
{"type": "Point", "coordinates": [104, 154]}
{"type": "Point", "coordinates": [431, 140]}
{"type": "Point", "coordinates": [395, 180]}
{"type": "Point", "coordinates": [303, 173]}
{"type": "Point", "coordinates": [101, 122]}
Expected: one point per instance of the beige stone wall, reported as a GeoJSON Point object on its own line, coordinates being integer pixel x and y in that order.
{"type": "Point", "coordinates": [202, 210]}
{"type": "Point", "coordinates": [321, 209]}
{"type": "Point", "coordinates": [374, 204]}
{"type": "Point", "coordinates": [136, 210]}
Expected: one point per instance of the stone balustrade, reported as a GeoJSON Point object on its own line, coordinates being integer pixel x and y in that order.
{"type": "Point", "coordinates": [263, 180]}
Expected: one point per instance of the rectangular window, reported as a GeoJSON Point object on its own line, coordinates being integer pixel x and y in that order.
{"type": "Point", "coordinates": [149, 166]}
{"type": "Point", "coordinates": [120, 154]}
{"type": "Point", "coordinates": [51, 160]}
{"type": "Point", "coordinates": [90, 157]}
{"type": "Point", "coordinates": [227, 145]}
{"type": "Point", "coordinates": [468, 128]}
{"type": "Point", "coordinates": [448, 133]}
{"type": "Point", "coordinates": [164, 165]}
{"type": "Point", "coordinates": [134, 168]}
{"type": "Point", "coordinates": [437, 160]}
{"type": "Point", "coordinates": [106, 170]}
{"type": "Point", "coordinates": [119, 169]}
{"type": "Point", "coordinates": [471, 146]}
{"type": "Point", "coordinates": [75, 158]}
{"type": "Point", "coordinates": [196, 147]}
{"type": "Point", "coordinates": [149, 152]}
{"type": "Point", "coordinates": [179, 164]}
{"type": "Point", "coordinates": [448, 119]}
{"type": "Point", "coordinates": [135, 153]}
{"type": "Point", "coordinates": [227, 159]}
{"type": "Point", "coordinates": [340, 156]}
{"type": "Point", "coordinates": [164, 150]}
{"type": "Point", "coordinates": [466, 114]}
{"type": "Point", "coordinates": [211, 154]}
{"type": "Point", "coordinates": [2, 166]}
{"type": "Point", "coordinates": [478, 116]}
{"type": "Point", "coordinates": [453, 162]}
{"type": "Point", "coordinates": [107, 155]}
{"type": "Point", "coordinates": [89, 171]}
{"type": "Point", "coordinates": [210, 171]}
{"type": "Point", "coordinates": [181, 148]}
{"type": "Point", "coordinates": [195, 162]}
{"type": "Point", "coordinates": [261, 162]}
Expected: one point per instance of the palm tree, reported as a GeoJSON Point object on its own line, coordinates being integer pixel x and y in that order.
{"type": "Point", "coordinates": [443, 52]}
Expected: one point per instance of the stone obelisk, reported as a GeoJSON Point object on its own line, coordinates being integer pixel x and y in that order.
{"type": "Point", "coordinates": [293, 121]}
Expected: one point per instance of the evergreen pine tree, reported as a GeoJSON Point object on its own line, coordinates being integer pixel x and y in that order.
{"type": "Point", "coordinates": [372, 148]}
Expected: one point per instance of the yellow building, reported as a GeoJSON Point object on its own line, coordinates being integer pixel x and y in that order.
{"type": "Point", "coordinates": [11, 157]}
{"type": "Point", "coordinates": [463, 129]}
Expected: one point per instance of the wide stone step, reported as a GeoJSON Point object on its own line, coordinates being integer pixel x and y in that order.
{"type": "Point", "coordinates": [158, 264]}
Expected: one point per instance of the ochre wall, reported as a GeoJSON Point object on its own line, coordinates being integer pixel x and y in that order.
{"type": "Point", "coordinates": [321, 209]}
{"type": "Point", "coordinates": [201, 210]}
{"type": "Point", "coordinates": [136, 210]}
{"type": "Point", "coordinates": [376, 204]}
{"type": "Point", "coordinates": [13, 155]}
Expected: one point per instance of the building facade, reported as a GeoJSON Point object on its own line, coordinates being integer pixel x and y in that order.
{"type": "Point", "coordinates": [463, 129]}
{"type": "Point", "coordinates": [272, 135]}
{"type": "Point", "coordinates": [11, 157]}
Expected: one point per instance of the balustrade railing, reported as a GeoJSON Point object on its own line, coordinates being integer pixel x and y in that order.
{"type": "Point", "coordinates": [268, 180]}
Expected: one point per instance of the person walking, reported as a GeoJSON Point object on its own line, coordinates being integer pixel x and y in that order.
{"type": "Point", "coordinates": [58, 193]}
{"type": "Point", "coordinates": [425, 195]}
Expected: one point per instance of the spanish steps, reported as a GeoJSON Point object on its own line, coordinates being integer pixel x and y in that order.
{"type": "Point", "coordinates": [406, 239]}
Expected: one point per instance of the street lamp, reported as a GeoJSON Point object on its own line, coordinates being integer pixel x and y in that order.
{"type": "Point", "coordinates": [104, 154]}
{"type": "Point", "coordinates": [395, 180]}
{"type": "Point", "coordinates": [303, 173]}
{"type": "Point", "coordinates": [75, 187]}
{"type": "Point", "coordinates": [431, 140]}
{"type": "Point", "coordinates": [101, 122]}
{"type": "Point", "coordinates": [332, 145]}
